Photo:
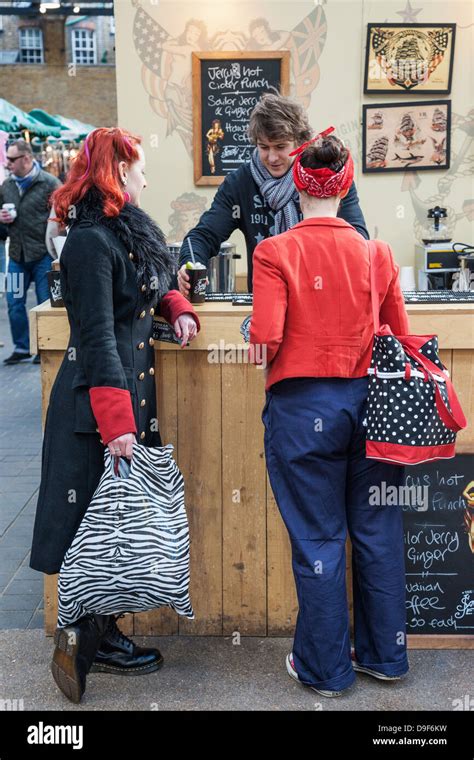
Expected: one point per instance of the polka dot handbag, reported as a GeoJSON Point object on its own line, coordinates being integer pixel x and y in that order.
{"type": "Point", "coordinates": [413, 413]}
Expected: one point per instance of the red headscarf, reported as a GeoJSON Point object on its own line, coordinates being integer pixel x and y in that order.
{"type": "Point", "coordinates": [324, 182]}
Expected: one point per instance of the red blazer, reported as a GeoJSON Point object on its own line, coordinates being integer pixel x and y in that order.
{"type": "Point", "coordinates": [311, 301]}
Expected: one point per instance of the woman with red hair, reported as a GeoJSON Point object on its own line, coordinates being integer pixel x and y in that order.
{"type": "Point", "coordinates": [116, 273]}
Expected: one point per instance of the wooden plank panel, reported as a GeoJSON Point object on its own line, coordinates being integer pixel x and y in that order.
{"type": "Point", "coordinates": [243, 501]}
{"type": "Point", "coordinates": [446, 356]}
{"type": "Point", "coordinates": [163, 621]}
{"type": "Point", "coordinates": [282, 603]}
{"type": "Point", "coordinates": [454, 330]}
{"type": "Point", "coordinates": [200, 461]}
{"type": "Point", "coordinates": [50, 604]}
{"type": "Point", "coordinates": [462, 375]}
{"type": "Point", "coordinates": [50, 363]}
{"type": "Point", "coordinates": [439, 642]}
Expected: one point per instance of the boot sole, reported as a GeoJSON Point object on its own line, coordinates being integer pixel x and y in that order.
{"type": "Point", "coordinates": [114, 670]}
{"type": "Point", "coordinates": [64, 667]}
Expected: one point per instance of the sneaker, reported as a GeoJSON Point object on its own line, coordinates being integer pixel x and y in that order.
{"type": "Point", "coordinates": [16, 358]}
{"type": "Point", "coordinates": [370, 671]}
{"type": "Point", "coordinates": [293, 674]}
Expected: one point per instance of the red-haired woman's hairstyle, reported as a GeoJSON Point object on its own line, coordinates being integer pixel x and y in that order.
{"type": "Point", "coordinates": [96, 165]}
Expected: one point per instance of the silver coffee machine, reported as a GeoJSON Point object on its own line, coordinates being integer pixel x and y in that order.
{"type": "Point", "coordinates": [222, 270]}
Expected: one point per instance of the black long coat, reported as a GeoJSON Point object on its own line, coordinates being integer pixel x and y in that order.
{"type": "Point", "coordinates": [110, 344]}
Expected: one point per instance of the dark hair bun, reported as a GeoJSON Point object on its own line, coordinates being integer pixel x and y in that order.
{"type": "Point", "coordinates": [327, 152]}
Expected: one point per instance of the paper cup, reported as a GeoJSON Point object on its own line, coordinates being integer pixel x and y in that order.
{"type": "Point", "coordinates": [407, 278]}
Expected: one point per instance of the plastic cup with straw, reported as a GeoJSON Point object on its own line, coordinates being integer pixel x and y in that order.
{"type": "Point", "coordinates": [197, 277]}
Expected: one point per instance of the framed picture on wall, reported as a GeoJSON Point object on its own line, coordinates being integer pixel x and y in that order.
{"type": "Point", "coordinates": [226, 88]}
{"type": "Point", "coordinates": [401, 136]}
{"type": "Point", "coordinates": [409, 58]}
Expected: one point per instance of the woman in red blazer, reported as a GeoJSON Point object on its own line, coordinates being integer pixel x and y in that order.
{"type": "Point", "coordinates": [312, 331]}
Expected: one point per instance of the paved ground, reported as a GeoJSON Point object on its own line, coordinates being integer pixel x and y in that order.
{"type": "Point", "coordinates": [211, 673]}
{"type": "Point", "coordinates": [207, 673]}
{"type": "Point", "coordinates": [21, 588]}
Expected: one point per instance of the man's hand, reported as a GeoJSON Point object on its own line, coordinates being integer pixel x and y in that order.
{"type": "Point", "coordinates": [185, 328]}
{"type": "Point", "coordinates": [6, 217]}
{"type": "Point", "coordinates": [183, 281]}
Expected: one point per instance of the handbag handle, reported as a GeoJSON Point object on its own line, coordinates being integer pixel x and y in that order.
{"type": "Point", "coordinates": [453, 418]}
{"type": "Point", "coordinates": [373, 293]}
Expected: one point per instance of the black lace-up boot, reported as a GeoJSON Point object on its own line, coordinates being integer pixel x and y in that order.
{"type": "Point", "coordinates": [76, 647]}
{"type": "Point", "coordinates": [119, 655]}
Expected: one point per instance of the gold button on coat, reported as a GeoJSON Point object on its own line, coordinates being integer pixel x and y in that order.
{"type": "Point", "coordinates": [143, 402]}
{"type": "Point", "coordinates": [141, 345]}
{"type": "Point", "coordinates": [130, 255]}
{"type": "Point", "coordinates": [151, 341]}
{"type": "Point", "coordinates": [142, 314]}
{"type": "Point", "coordinates": [151, 371]}
{"type": "Point", "coordinates": [152, 311]}
{"type": "Point", "coordinates": [143, 288]}
{"type": "Point", "coordinates": [142, 435]}
{"type": "Point", "coordinates": [141, 375]}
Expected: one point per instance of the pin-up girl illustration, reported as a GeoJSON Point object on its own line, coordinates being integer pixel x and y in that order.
{"type": "Point", "coordinates": [213, 134]}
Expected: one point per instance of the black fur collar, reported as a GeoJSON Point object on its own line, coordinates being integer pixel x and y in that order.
{"type": "Point", "coordinates": [141, 235]}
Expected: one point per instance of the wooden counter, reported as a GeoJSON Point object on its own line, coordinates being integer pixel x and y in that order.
{"type": "Point", "coordinates": [241, 577]}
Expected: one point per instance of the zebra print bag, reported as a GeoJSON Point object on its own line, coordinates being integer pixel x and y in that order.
{"type": "Point", "coordinates": [131, 551]}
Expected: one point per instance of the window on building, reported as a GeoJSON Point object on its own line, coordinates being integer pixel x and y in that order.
{"type": "Point", "coordinates": [31, 45]}
{"type": "Point", "coordinates": [84, 47]}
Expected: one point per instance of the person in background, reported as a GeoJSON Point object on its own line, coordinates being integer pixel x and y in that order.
{"type": "Point", "coordinates": [3, 255]}
{"type": "Point", "coordinates": [3, 238]}
{"type": "Point", "coordinates": [312, 315]}
{"type": "Point", "coordinates": [28, 187]}
{"type": "Point", "coordinates": [260, 198]}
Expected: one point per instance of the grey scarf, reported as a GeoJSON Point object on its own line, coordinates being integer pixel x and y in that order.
{"type": "Point", "coordinates": [279, 192]}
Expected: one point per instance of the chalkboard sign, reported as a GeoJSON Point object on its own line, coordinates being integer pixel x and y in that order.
{"type": "Point", "coordinates": [226, 87]}
{"type": "Point", "coordinates": [439, 547]}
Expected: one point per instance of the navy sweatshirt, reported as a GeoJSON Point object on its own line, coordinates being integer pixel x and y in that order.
{"type": "Point", "coordinates": [238, 204]}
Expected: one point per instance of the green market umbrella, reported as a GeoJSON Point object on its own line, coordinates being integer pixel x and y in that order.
{"type": "Point", "coordinates": [45, 118]}
{"type": "Point", "coordinates": [72, 129]}
{"type": "Point", "coordinates": [74, 126]}
{"type": "Point", "coordinates": [13, 119]}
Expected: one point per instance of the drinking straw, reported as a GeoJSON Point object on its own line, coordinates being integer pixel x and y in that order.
{"type": "Point", "coordinates": [191, 250]}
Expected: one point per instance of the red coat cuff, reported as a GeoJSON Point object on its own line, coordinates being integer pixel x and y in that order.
{"type": "Point", "coordinates": [173, 304]}
{"type": "Point", "coordinates": [113, 411]}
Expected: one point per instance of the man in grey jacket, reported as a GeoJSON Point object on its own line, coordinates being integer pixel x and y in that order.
{"type": "Point", "coordinates": [28, 187]}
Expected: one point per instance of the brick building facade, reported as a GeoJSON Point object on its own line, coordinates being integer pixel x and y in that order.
{"type": "Point", "coordinates": [62, 64]}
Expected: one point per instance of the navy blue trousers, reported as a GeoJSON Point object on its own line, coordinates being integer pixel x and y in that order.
{"type": "Point", "coordinates": [320, 477]}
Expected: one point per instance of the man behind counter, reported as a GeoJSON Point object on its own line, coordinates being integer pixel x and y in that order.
{"type": "Point", "coordinates": [260, 197]}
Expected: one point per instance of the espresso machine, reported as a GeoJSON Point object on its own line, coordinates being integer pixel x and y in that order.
{"type": "Point", "coordinates": [440, 262]}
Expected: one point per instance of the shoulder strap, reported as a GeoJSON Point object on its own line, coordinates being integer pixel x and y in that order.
{"type": "Point", "coordinates": [373, 291]}
{"type": "Point", "coordinates": [452, 416]}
